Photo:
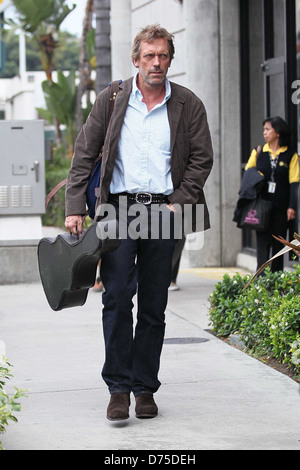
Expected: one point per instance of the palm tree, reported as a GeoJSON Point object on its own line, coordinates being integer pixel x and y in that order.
{"type": "Point", "coordinates": [60, 100]}
{"type": "Point", "coordinates": [103, 46]}
{"type": "Point", "coordinates": [294, 245]}
{"type": "Point", "coordinates": [42, 20]}
{"type": "Point", "coordinates": [84, 66]}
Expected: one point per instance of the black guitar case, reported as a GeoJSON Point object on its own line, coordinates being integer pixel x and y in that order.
{"type": "Point", "coordinates": [68, 265]}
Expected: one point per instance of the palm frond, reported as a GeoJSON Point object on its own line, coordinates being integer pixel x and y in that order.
{"type": "Point", "coordinates": [293, 245]}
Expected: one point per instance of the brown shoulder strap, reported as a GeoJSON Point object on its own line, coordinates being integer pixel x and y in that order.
{"type": "Point", "coordinates": [258, 150]}
{"type": "Point", "coordinates": [113, 94]}
{"type": "Point", "coordinates": [54, 191]}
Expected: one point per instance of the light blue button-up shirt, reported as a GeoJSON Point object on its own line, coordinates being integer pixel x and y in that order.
{"type": "Point", "coordinates": [143, 162]}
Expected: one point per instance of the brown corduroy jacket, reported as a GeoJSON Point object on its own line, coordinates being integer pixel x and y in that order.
{"type": "Point", "coordinates": [191, 150]}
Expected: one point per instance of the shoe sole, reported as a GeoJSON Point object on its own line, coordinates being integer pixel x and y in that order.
{"type": "Point", "coordinates": [146, 416]}
{"type": "Point", "coordinates": [117, 419]}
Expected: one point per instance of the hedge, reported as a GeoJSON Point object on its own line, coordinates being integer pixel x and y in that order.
{"type": "Point", "coordinates": [266, 316]}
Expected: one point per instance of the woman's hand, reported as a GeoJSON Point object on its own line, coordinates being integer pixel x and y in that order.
{"type": "Point", "coordinates": [291, 214]}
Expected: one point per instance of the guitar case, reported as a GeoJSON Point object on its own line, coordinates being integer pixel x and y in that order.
{"type": "Point", "coordinates": [68, 264]}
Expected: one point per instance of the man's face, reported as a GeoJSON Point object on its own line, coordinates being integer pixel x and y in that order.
{"type": "Point", "coordinates": [153, 62]}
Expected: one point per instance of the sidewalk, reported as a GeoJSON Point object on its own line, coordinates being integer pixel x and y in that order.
{"type": "Point", "coordinates": [213, 396]}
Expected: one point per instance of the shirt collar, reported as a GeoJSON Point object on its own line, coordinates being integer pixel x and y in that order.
{"type": "Point", "coordinates": [267, 148]}
{"type": "Point", "coordinates": [136, 92]}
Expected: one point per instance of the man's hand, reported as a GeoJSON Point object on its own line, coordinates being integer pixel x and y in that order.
{"type": "Point", "coordinates": [74, 224]}
{"type": "Point", "coordinates": [171, 207]}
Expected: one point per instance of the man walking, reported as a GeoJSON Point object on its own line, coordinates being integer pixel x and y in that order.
{"type": "Point", "coordinates": [157, 151]}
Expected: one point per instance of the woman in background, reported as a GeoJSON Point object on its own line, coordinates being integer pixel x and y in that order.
{"type": "Point", "coordinates": [279, 164]}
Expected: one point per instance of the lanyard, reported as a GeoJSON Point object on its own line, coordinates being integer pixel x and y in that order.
{"type": "Point", "coordinates": [273, 162]}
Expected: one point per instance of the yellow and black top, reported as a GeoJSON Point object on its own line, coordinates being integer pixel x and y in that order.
{"type": "Point", "coordinates": [282, 168]}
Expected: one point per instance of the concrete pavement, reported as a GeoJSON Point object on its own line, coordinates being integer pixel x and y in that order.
{"type": "Point", "coordinates": [212, 397]}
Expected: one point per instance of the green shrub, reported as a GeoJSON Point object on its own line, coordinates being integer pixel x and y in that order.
{"type": "Point", "coordinates": [266, 315]}
{"type": "Point", "coordinates": [285, 328]}
{"type": "Point", "coordinates": [56, 172]}
{"type": "Point", "coordinates": [225, 312]}
{"type": "Point", "coordinates": [8, 405]}
{"type": "Point", "coordinates": [295, 352]}
{"type": "Point", "coordinates": [254, 326]}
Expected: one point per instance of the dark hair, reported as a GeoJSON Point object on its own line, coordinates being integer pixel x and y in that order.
{"type": "Point", "coordinates": [149, 34]}
{"type": "Point", "coordinates": [281, 128]}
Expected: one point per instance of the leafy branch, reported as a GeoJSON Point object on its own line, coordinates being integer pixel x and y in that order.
{"type": "Point", "coordinates": [8, 405]}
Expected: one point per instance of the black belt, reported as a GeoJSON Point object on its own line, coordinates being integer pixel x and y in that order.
{"type": "Point", "coordinates": [144, 198]}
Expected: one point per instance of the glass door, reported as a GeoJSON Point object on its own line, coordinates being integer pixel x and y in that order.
{"type": "Point", "coordinates": [268, 70]}
{"type": "Point", "coordinates": [279, 65]}
{"type": "Point", "coordinates": [273, 67]}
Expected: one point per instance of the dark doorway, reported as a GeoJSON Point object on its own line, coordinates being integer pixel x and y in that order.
{"type": "Point", "coordinates": [268, 69]}
{"type": "Point", "coordinates": [280, 67]}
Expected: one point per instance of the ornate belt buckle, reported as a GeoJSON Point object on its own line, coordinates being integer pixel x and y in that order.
{"type": "Point", "coordinates": [139, 198]}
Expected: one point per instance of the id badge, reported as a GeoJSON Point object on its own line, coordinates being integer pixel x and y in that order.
{"type": "Point", "coordinates": [271, 187]}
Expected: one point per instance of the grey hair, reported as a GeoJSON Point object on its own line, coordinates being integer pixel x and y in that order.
{"type": "Point", "coordinates": [149, 34]}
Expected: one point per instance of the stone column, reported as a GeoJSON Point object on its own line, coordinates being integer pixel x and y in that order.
{"type": "Point", "coordinates": [202, 68]}
{"type": "Point", "coordinates": [103, 46]}
{"type": "Point", "coordinates": [121, 39]}
{"type": "Point", "coordinates": [230, 136]}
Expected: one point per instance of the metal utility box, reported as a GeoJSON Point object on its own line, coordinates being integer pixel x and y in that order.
{"type": "Point", "coordinates": [22, 175]}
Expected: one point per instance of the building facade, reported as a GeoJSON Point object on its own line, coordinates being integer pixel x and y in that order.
{"type": "Point", "coordinates": [239, 57]}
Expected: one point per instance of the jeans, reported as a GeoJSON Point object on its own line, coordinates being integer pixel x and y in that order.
{"type": "Point", "coordinates": [139, 266]}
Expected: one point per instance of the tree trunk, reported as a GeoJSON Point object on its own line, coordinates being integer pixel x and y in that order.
{"type": "Point", "coordinates": [47, 46]}
{"type": "Point", "coordinates": [84, 71]}
{"type": "Point", "coordinates": [103, 45]}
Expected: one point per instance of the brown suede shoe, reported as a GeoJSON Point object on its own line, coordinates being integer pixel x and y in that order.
{"type": "Point", "coordinates": [118, 408]}
{"type": "Point", "coordinates": [145, 406]}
